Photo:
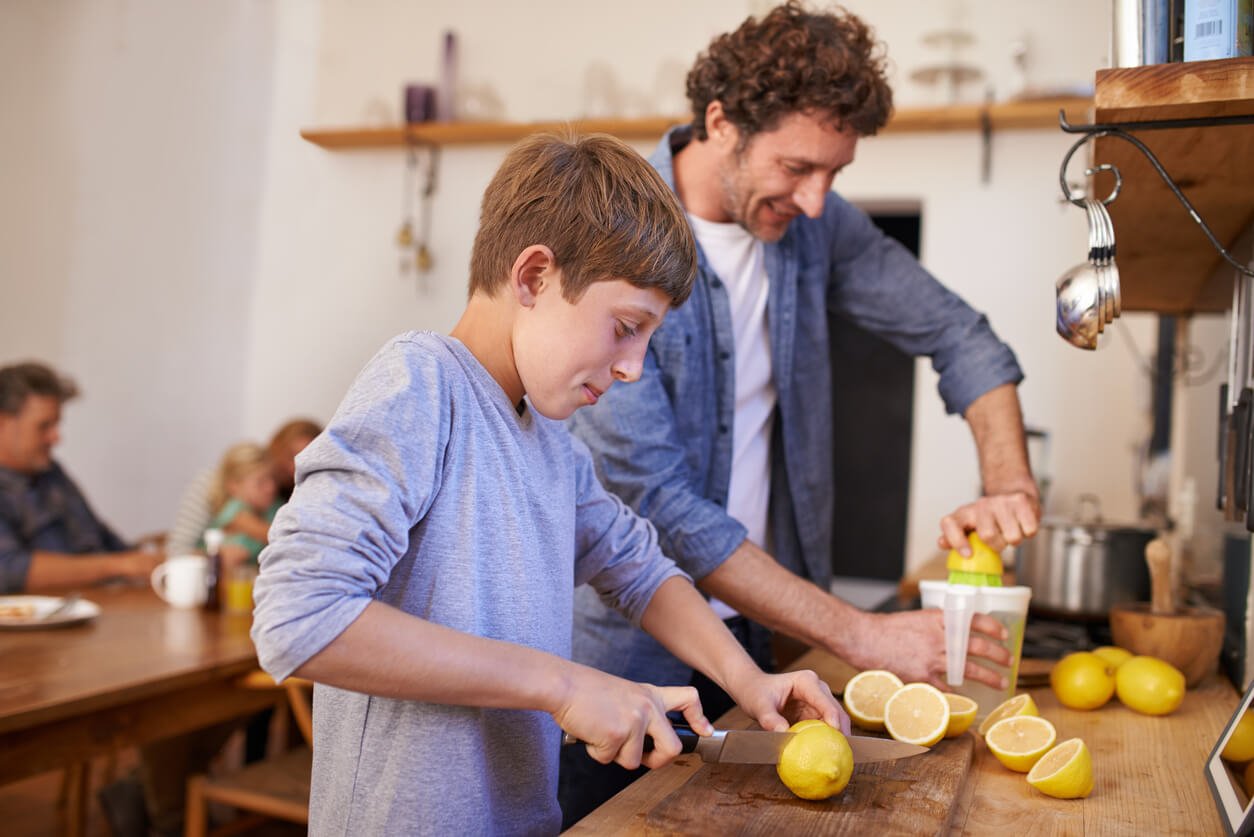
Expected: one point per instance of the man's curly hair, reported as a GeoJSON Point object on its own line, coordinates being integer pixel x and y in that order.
{"type": "Point", "coordinates": [793, 61]}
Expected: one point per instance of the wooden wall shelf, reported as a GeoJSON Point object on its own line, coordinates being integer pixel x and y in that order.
{"type": "Point", "coordinates": [1166, 264]}
{"type": "Point", "coordinates": [1031, 114]}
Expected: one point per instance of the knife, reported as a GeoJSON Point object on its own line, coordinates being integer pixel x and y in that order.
{"type": "Point", "coordinates": [743, 746]}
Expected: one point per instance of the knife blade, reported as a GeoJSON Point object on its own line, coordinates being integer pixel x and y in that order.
{"type": "Point", "coordinates": [735, 746]}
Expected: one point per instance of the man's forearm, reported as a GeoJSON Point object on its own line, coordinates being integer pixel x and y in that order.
{"type": "Point", "coordinates": [53, 570]}
{"type": "Point", "coordinates": [996, 423]}
{"type": "Point", "coordinates": [756, 585]}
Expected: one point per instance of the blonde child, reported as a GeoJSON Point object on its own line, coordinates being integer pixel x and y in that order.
{"type": "Point", "coordinates": [244, 499]}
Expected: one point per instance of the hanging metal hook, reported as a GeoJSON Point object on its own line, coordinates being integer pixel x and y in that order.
{"type": "Point", "coordinates": [1117, 130]}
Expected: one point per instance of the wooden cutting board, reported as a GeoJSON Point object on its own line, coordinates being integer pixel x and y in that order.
{"type": "Point", "coordinates": [908, 796]}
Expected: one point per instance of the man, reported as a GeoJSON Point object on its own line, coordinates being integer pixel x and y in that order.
{"type": "Point", "coordinates": [49, 536]}
{"type": "Point", "coordinates": [725, 442]}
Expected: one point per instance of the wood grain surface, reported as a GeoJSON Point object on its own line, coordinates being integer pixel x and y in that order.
{"type": "Point", "coordinates": [140, 671]}
{"type": "Point", "coordinates": [1148, 774]}
{"type": "Point", "coordinates": [916, 795]}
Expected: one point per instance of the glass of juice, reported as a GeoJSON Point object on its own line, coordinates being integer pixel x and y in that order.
{"type": "Point", "coordinates": [239, 588]}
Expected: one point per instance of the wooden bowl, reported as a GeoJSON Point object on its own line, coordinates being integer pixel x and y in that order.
{"type": "Point", "coordinates": [1188, 638]}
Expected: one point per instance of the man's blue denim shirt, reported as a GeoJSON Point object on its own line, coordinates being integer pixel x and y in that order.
{"type": "Point", "coordinates": [48, 512]}
{"type": "Point", "coordinates": [664, 443]}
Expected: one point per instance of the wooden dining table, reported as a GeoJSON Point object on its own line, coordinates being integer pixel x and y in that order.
{"type": "Point", "coordinates": [138, 672]}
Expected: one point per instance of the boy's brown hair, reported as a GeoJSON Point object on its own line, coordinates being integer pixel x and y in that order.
{"type": "Point", "coordinates": [597, 204]}
{"type": "Point", "coordinates": [793, 61]}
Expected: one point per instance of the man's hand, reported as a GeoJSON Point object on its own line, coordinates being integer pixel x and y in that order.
{"type": "Point", "coordinates": [911, 644]}
{"type": "Point", "coordinates": [138, 564]}
{"type": "Point", "coordinates": [775, 700]}
{"type": "Point", "coordinates": [613, 717]}
{"type": "Point", "coordinates": [1000, 520]}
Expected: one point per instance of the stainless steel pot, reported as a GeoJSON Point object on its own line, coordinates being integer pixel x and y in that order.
{"type": "Point", "coordinates": [1078, 568]}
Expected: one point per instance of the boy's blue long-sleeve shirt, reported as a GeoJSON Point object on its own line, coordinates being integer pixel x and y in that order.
{"type": "Point", "coordinates": [430, 493]}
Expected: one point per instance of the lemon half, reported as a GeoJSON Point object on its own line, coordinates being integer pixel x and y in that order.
{"type": "Point", "coordinates": [917, 713]}
{"type": "Point", "coordinates": [1021, 704]}
{"type": "Point", "coordinates": [961, 714]}
{"type": "Point", "coordinates": [865, 696]}
{"type": "Point", "coordinates": [1065, 772]}
{"type": "Point", "coordinates": [1019, 742]}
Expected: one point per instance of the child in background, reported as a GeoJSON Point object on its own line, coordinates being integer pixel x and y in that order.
{"type": "Point", "coordinates": [423, 572]}
{"type": "Point", "coordinates": [243, 483]}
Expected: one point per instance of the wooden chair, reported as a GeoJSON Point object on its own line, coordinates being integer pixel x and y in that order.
{"type": "Point", "coordinates": [276, 788]}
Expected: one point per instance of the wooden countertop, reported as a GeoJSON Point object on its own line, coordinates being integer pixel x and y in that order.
{"type": "Point", "coordinates": [1148, 772]}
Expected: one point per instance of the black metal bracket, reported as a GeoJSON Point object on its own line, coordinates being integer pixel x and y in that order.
{"type": "Point", "coordinates": [1121, 131]}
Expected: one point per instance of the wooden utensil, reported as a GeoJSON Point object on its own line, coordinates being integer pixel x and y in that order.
{"type": "Point", "coordinates": [1189, 638]}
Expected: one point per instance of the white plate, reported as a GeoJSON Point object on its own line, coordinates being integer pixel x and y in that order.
{"type": "Point", "coordinates": [31, 612]}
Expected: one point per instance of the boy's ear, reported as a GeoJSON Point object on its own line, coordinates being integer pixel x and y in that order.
{"type": "Point", "coordinates": [533, 271]}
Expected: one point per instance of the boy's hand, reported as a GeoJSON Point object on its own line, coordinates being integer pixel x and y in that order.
{"type": "Point", "coordinates": [776, 700]}
{"type": "Point", "coordinates": [613, 716]}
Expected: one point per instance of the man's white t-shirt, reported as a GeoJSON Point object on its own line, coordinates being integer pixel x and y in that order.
{"type": "Point", "coordinates": [738, 259]}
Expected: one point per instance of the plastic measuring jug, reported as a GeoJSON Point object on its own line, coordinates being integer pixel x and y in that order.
{"type": "Point", "coordinates": [1008, 605]}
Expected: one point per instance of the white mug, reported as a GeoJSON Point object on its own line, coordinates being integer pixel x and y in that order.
{"type": "Point", "coordinates": [183, 580]}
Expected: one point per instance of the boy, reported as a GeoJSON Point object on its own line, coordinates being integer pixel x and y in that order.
{"type": "Point", "coordinates": [423, 572]}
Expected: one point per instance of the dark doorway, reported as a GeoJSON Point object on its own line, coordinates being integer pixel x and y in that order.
{"type": "Point", "coordinates": [873, 401]}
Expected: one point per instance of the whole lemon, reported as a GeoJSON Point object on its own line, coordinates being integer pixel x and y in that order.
{"type": "Point", "coordinates": [1082, 680]}
{"type": "Point", "coordinates": [817, 763]}
{"type": "Point", "coordinates": [1240, 746]}
{"type": "Point", "coordinates": [1150, 685]}
{"type": "Point", "coordinates": [1113, 654]}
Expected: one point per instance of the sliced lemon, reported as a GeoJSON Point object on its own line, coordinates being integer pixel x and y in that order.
{"type": "Point", "coordinates": [1018, 705]}
{"type": "Point", "coordinates": [917, 713]}
{"type": "Point", "coordinates": [961, 714]}
{"type": "Point", "coordinates": [865, 696]}
{"type": "Point", "coordinates": [1065, 772]}
{"type": "Point", "coordinates": [1021, 740]}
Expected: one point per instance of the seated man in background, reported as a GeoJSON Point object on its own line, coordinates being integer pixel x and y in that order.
{"type": "Point", "coordinates": [195, 511]}
{"type": "Point", "coordinates": [49, 536]}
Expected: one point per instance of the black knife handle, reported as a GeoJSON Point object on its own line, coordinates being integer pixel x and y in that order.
{"type": "Point", "coordinates": [1221, 497]}
{"type": "Point", "coordinates": [1242, 415]}
{"type": "Point", "coordinates": [687, 739]}
{"type": "Point", "coordinates": [1249, 469]}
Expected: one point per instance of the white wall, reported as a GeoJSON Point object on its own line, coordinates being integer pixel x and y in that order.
{"type": "Point", "coordinates": [206, 273]}
{"type": "Point", "coordinates": [132, 170]}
